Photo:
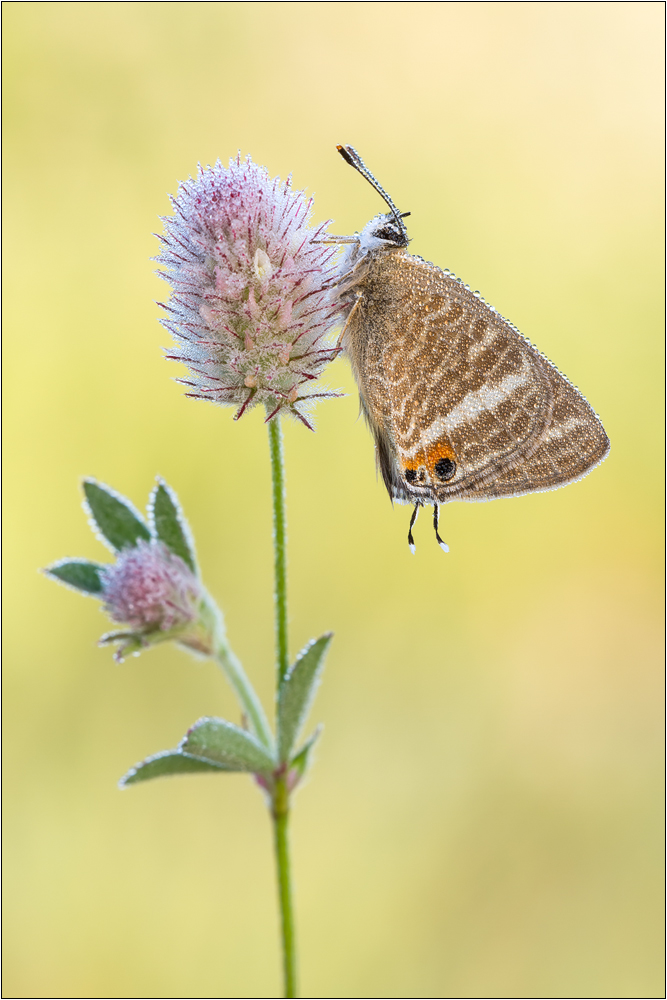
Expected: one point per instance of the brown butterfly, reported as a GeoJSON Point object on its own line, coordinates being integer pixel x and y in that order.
{"type": "Point", "coordinates": [461, 405]}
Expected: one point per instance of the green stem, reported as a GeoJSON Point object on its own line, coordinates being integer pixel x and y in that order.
{"type": "Point", "coordinates": [244, 691]}
{"type": "Point", "coordinates": [280, 820]}
{"type": "Point", "coordinates": [279, 544]}
{"type": "Point", "coordinates": [280, 811]}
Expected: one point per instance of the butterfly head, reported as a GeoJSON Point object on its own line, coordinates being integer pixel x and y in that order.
{"type": "Point", "coordinates": [384, 232]}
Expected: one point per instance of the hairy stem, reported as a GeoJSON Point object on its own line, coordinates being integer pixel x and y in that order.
{"type": "Point", "coordinates": [244, 691]}
{"type": "Point", "coordinates": [279, 545]}
{"type": "Point", "coordinates": [281, 820]}
{"type": "Point", "coordinates": [280, 801]}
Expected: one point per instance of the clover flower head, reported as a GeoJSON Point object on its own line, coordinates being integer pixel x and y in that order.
{"type": "Point", "coordinates": [251, 305]}
{"type": "Point", "coordinates": [150, 589]}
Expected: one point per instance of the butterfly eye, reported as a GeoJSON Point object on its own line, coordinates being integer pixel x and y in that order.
{"type": "Point", "coordinates": [445, 468]}
{"type": "Point", "coordinates": [389, 233]}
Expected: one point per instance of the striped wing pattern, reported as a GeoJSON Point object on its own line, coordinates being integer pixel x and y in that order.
{"type": "Point", "coordinates": [462, 406]}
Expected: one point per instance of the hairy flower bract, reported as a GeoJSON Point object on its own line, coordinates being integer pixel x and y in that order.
{"type": "Point", "coordinates": [251, 306]}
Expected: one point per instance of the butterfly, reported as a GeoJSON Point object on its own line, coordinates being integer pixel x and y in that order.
{"type": "Point", "coordinates": [461, 405]}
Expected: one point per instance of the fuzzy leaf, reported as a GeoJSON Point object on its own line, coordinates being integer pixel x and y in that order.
{"type": "Point", "coordinates": [223, 743]}
{"type": "Point", "coordinates": [169, 524]}
{"type": "Point", "coordinates": [117, 520]}
{"type": "Point", "coordinates": [166, 763]}
{"type": "Point", "coordinates": [129, 642]}
{"type": "Point", "coordinates": [300, 762]}
{"type": "Point", "coordinates": [81, 574]}
{"type": "Point", "coordinates": [297, 691]}
{"type": "Point", "coordinates": [119, 635]}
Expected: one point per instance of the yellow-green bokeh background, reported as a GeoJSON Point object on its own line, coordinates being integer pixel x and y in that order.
{"type": "Point", "coordinates": [483, 818]}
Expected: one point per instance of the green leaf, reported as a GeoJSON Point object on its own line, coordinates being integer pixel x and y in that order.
{"type": "Point", "coordinates": [169, 524]}
{"type": "Point", "coordinates": [80, 574]}
{"type": "Point", "coordinates": [297, 691]}
{"type": "Point", "coordinates": [166, 763]}
{"type": "Point", "coordinates": [129, 642]}
{"type": "Point", "coordinates": [223, 743]}
{"type": "Point", "coordinates": [300, 762]}
{"type": "Point", "coordinates": [119, 523]}
{"type": "Point", "coordinates": [119, 635]}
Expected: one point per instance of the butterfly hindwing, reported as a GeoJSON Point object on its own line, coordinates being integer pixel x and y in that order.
{"type": "Point", "coordinates": [572, 444]}
{"type": "Point", "coordinates": [461, 405]}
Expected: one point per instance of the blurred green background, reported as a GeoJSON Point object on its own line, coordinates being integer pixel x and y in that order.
{"type": "Point", "coordinates": [483, 819]}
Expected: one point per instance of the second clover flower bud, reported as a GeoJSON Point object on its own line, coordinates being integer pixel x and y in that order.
{"type": "Point", "coordinates": [153, 587]}
{"type": "Point", "coordinates": [153, 591]}
{"type": "Point", "coordinates": [251, 305]}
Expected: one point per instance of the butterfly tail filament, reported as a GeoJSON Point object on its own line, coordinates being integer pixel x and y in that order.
{"type": "Point", "coordinates": [436, 512]}
{"type": "Point", "coordinates": [411, 541]}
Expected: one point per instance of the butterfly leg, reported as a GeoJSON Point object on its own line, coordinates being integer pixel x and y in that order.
{"type": "Point", "coordinates": [443, 545]}
{"type": "Point", "coordinates": [347, 323]}
{"type": "Point", "coordinates": [411, 541]}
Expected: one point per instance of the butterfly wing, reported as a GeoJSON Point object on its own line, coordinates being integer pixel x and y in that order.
{"type": "Point", "coordinates": [462, 406]}
{"type": "Point", "coordinates": [572, 443]}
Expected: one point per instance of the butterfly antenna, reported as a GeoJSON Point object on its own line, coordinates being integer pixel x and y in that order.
{"type": "Point", "coordinates": [443, 545]}
{"type": "Point", "coordinates": [351, 156]}
{"type": "Point", "coordinates": [411, 541]}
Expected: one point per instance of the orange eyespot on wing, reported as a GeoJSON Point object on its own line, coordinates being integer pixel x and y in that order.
{"type": "Point", "coordinates": [434, 464]}
{"type": "Point", "coordinates": [440, 461]}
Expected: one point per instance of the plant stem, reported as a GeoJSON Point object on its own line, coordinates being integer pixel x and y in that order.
{"type": "Point", "coordinates": [244, 691]}
{"type": "Point", "coordinates": [280, 820]}
{"type": "Point", "coordinates": [279, 544]}
{"type": "Point", "coordinates": [280, 802]}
